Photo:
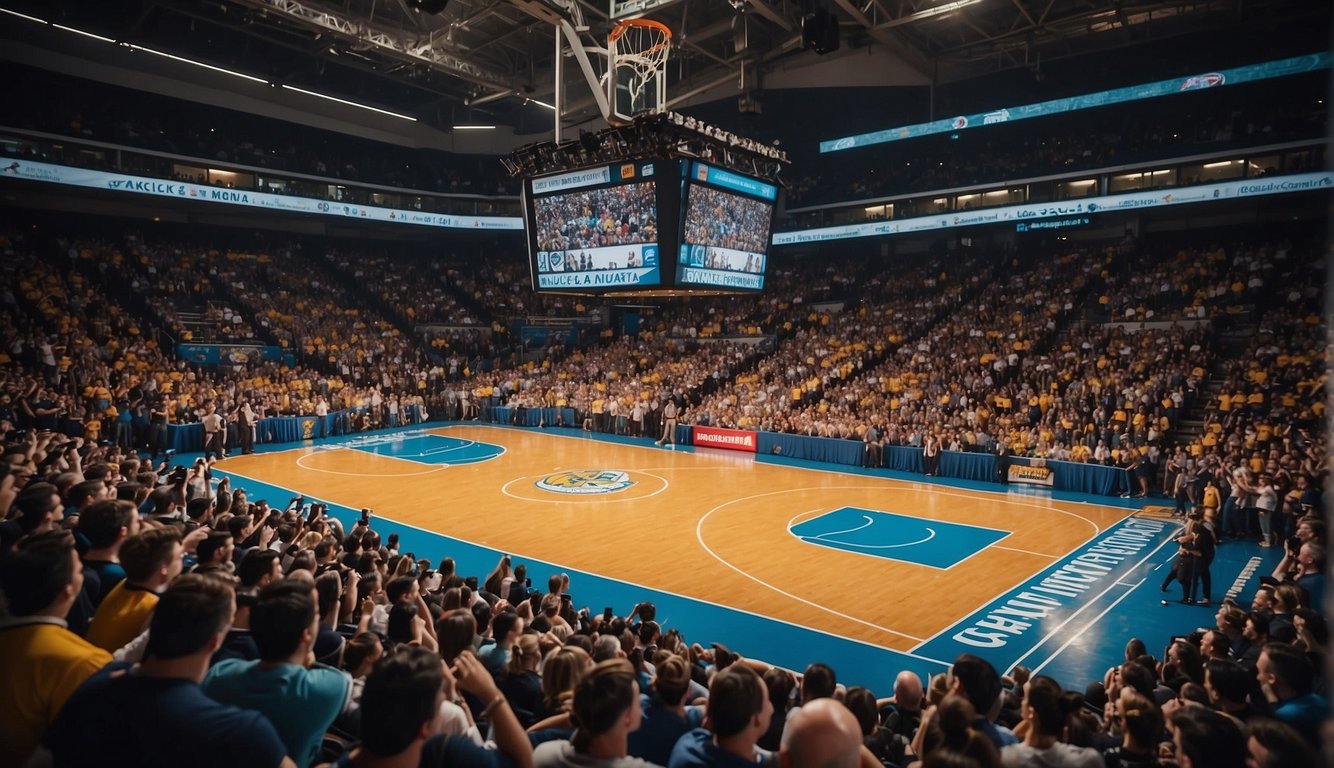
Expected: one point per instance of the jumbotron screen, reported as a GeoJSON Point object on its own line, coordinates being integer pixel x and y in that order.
{"type": "Point", "coordinates": [725, 230]}
{"type": "Point", "coordinates": [594, 229]}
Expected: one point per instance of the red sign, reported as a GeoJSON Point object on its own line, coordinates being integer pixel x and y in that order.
{"type": "Point", "coordinates": [731, 439]}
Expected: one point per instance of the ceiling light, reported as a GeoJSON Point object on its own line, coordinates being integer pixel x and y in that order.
{"type": "Point", "coordinates": [194, 63]}
{"type": "Point", "coordinates": [349, 103]}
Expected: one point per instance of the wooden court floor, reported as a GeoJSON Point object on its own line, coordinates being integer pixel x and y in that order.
{"type": "Point", "coordinates": [711, 525]}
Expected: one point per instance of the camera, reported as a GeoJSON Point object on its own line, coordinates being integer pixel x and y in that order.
{"type": "Point", "coordinates": [365, 516]}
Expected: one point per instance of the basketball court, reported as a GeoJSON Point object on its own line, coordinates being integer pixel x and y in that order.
{"type": "Point", "coordinates": [780, 559]}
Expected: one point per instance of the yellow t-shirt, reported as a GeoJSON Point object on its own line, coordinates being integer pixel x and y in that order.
{"type": "Point", "coordinates": [123, 614]}
{"type": "Point", "coordinates": [42, 664]}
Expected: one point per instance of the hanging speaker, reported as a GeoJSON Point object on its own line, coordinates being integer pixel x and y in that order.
{"type": "Point", "coordinates": [819, 32]}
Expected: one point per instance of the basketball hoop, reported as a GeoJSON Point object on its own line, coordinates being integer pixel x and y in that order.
{"type": "Point", "coordinates": [641, 46]}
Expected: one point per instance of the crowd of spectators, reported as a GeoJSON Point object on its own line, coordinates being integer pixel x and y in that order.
{"type": "Point", "coordinates": [897, 305]}
{"type": "Point", "coordinates": [591, 219]}
{"type": "Point", "coordinates": [726, 220]}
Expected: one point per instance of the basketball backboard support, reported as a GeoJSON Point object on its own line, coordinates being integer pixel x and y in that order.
{"type": "Point", "coordinates": [624, 9]}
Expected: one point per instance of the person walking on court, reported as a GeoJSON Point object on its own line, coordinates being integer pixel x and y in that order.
{"type": "Point", "coordinates": [668, 423]}
{"type": "Point", "coordinates": [213, 426]}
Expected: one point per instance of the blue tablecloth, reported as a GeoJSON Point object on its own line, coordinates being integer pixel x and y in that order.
{"type": "Point", "coordinates": [532, 417]}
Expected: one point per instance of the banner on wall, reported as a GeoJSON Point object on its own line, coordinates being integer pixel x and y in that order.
{"type": "Point", "coordinates": [1037, 473]}
{"type": "Point", "coordinates": [1227, 190]}
{"type": "Point", "coordinates": [217, 354]}
{"type": "Point", "coordinates": [205, 193]}
{"type": "Point", "coordinates": [731, 439]}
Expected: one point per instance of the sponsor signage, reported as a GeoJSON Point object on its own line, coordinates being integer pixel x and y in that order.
{"type": "Point", "coordinates": [731, 439]}
{"type": "Point", "coordinates": [589, 177]}
{"type": "Point", "coordinates": [1038, 226]}
{"type": "Point", "coordinates": [204, 193]}
{"type": "Point", "coordinates": [1068, 209]}
{"type": "Point", "coordinates": [1037, 473]}
{"type": "Point", "coordinates": [1249, 74]}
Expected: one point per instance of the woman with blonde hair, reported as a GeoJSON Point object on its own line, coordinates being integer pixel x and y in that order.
{"type": "Point", "coordinates": [495, 581]}
{"type": "Point", "coordinates": [561, 673]}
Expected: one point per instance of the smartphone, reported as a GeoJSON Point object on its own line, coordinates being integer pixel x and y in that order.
{"type": "Point", "coordinates": [365, 516]}
{"type": "Point", "coordinates": [528, 583]}
{"type": "Point", "coordinates": [606, 614]}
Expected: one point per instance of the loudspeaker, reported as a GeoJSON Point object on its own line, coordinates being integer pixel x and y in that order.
{"type": "Point", "coordinates": [819, 32]}
{"type": "Point", "coordinates": [431, 7]}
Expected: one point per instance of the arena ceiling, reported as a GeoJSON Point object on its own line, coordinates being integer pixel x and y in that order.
{"type": "Point", "coordinates": [493, 58]}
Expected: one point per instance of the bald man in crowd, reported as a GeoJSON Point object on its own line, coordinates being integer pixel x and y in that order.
{"type": "Point", "coordinates": [822, 734]}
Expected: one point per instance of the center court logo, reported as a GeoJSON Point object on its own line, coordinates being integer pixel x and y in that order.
{"type": "Point", "coordinates": [586, 481]}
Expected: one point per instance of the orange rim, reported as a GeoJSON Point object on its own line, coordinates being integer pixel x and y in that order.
{"type": "Point", "coordinates": [658, 26]}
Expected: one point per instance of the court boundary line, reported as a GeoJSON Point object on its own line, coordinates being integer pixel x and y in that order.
{"type": "Point", "coordinates": [369, 448]}
{"type": "Point", "coordinates": [1024, 551]}
{"type": "Point", "coordinates": [1085, 607]}
{"type": "Point", "coordinates": [519, 555]}
{"type": "Point", "coordinates": [431, 468]}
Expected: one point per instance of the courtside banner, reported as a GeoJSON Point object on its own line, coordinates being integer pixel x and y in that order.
{"type": "Point", "coordinates": [1030, 474]}
{"type": "Point", "coordinates": [731, 439]}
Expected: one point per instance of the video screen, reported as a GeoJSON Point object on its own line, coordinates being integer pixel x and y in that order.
{"type": "Point", "coordinates": [724, 234]}
{"type": "Point", "coordinates": [599, 238]}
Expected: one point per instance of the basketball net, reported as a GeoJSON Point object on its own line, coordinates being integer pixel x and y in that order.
{"type": "Point", "coordinates": [641, 45]}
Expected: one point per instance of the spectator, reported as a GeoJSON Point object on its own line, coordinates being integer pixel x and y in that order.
{"type": "Point", "coordinates": [1286, 674]}
{"type": "Point", "coordinates": [1271, 744]}
{"type": "Point", "coordinates": [1045, 714]}
{"type": "Point", "coordinates": [737, 715]}
{"type": "Point", "coordinates": [1201, 737]}
{"type": "Point", "coordinates": [41, 661]}
{"type": "Point", "coordinates": [400, 706]}
{"type": "Point", "coordinates": [152, 559]}
{"type": "Point", "coordinates": [106, 525]}
{"type": "Point", "coordinates": [976, 680]}
{"type": "Point", "coordinates": [173, 722]}
{"type": "Point", "coordinates": [823, 732]}
{"type": "Point", "coordinates": [606, 711]}
{"type": "Point", "coordinates": [666, 717]}
{"type": "Point", "coordinates": [300, 698]}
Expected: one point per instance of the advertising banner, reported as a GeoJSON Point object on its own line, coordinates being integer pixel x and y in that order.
{"type": "Point", "coordinates": [1227, 190]}
{"type": "Point", "coordinates": [1030, 474]}
{"type": "Point", "coordinates": [205, 193]}
{"type": "Point", "coordinates": [731, 439]}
